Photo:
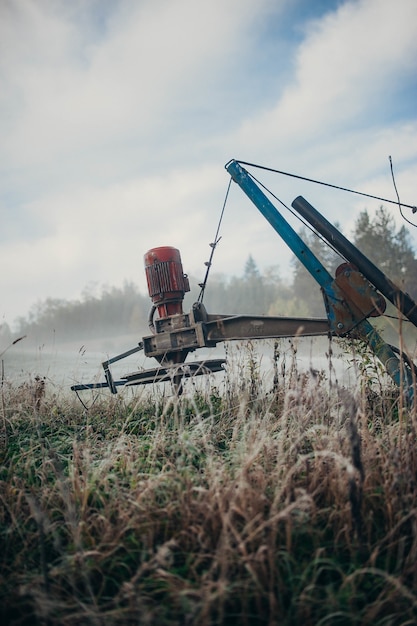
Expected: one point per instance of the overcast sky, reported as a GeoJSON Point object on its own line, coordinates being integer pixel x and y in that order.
{"type": "Point", "coordinates": [118, 116]}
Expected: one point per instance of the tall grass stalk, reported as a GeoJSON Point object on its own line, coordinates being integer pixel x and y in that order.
{"type": "Point", "coordinates": [288, 503]}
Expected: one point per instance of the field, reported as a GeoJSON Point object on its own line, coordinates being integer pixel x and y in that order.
{"type": "Point", "coordinates": [292, 501]}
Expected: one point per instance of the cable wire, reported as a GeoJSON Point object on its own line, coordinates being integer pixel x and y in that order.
{"type": "Point", "coordinates": [319, 182]}
{"type": "Point", "coordinates": [298, 217]}
{"type": "Point", "coordinates": [398, 197]}
{"type": "Point", "coordinates": [213, 246]}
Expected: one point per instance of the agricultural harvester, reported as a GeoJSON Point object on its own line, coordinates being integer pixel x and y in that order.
{"type": "Point", "coordinates": [355, 294]}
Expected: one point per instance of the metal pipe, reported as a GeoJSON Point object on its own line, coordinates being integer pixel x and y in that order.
{"type": "Point", "coordinates": [395, 367]}
{"type": "Point", "coordinates": [392, 292]}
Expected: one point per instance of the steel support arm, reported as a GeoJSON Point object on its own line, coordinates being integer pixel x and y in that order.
{"type": "Point", "coordinates": [335, 297]}
{"type": "Point", "coordinates": [263, 327]}
{"type": "Point", "coordinates": [279, 224]}
{"type": "Point", "coordinates": [395, 295]}
{"type": "Point", "coordinates": [218, 328]}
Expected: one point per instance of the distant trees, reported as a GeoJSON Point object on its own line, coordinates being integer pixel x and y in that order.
{"type": "Point", "coordinates": [252, 292]}
{"type": "Point", "coordinates": [378, 239]}
{"type": "Point", "coordinates": [124, 310]}
{"type": "Point", "coordinates": [390, 249]}
{"type": "Point", "coordinates": [115, 310]}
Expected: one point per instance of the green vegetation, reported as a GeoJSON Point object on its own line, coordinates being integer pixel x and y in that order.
{"type": "Point", "coordinates": [289, 503]}
{"type": "Point", "coordinates": [99, 313]}
{"type": "Point", "coordinates": [379, 240]}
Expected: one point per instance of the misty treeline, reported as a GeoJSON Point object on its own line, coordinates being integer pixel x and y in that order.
{"type": "Point", "coordinates": [117, 311]}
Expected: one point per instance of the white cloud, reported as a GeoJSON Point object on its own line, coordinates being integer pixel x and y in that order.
{"type": "Point", "coordinates": [346, 69]}
{"type": "Point", "coordinates": [153, 58]}
{"type": "Point", "coordinates": [104, 232]}
{"type": "Point", "coordinates": [101, 141]}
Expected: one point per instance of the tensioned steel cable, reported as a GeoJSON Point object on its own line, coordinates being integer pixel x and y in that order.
{"type": "Point", "coordinates": [319, 182]}
{"type": "Point", "coordinates": [298, 217]}
{"type": "Point", "coordinates": [213, 246]}
{"type": "Point", "coordinates": [400, 205]}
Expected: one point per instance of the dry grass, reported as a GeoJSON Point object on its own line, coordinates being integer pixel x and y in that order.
{"type": "Point", "coordinates": [290, 505]}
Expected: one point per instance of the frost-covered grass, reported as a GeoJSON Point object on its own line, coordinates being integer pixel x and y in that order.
{"type": "Point", "coordinates": [288, 503]}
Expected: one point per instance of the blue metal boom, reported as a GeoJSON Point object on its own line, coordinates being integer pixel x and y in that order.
{"type": "Point", "coordinates": [346, 317]}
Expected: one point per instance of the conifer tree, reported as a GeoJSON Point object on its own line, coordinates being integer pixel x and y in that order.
{"type": "Point", "coordinates": [389, 249]}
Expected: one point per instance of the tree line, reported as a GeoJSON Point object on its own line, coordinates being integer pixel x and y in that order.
{"type": "Point", "coordinates": [116, 311]}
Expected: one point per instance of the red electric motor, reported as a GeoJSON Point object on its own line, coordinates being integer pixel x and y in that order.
{"type": "Point", "coordinates": [166, 280]}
